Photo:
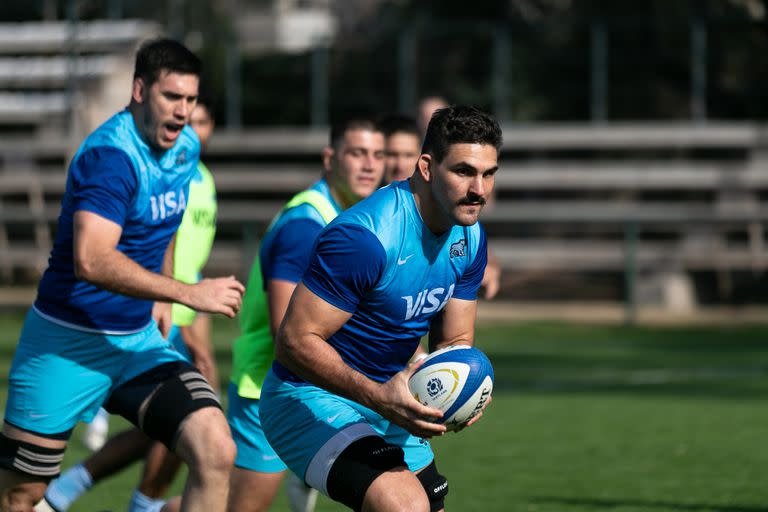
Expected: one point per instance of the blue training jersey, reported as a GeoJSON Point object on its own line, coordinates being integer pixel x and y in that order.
{"type": "Point", "coordinates": [380, 262]}
{"type": "Point", "coordinates": [287, 247]}
{"type": "Point", "coordinates": [116, 175]}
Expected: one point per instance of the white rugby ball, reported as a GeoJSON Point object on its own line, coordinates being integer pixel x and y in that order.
{"type": "Point", "coordinates": [458, 380]}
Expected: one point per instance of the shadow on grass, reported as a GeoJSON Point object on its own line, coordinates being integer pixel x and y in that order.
{"type": "Point", "coordinates": [601, 504]}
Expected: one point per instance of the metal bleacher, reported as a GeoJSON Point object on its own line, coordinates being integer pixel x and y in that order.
{"type": "Point", "coordinates": [632, 199]}
{"type": "Point", "coordinates": [42, 64]}
{"type": "Point", "coordinates": [576, 198]}
{"type": "Point", "coordinates": [45, 67]}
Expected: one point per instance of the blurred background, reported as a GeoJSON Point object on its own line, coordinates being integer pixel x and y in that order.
{"type": "Point", "coordinates": [634, 169]}
{"type": "Point", "coordinates": [633, 189]}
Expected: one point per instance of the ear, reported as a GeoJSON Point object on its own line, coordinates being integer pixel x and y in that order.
{"type": "Point", "coordinates": [328, 154]}
{"type": "Point", "coordinates": [138, 90]}
{"type": "Point", "coordinates": [424, 167]}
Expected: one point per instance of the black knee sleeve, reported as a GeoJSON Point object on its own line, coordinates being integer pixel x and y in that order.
{"type": "Point", "coordinates": [436, 486]}
{"type": "Point", "coordinates": [160, 400]}
{"type": "Point", "coordinates": [30, 459]}
{"type": "Point", "coordinates": [358, 466]}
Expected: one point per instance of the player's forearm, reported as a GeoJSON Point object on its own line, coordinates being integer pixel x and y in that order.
{"type": "Point", "coordinates": [117, 273]}
{"type": "Point", "coordinates": [313, 359]}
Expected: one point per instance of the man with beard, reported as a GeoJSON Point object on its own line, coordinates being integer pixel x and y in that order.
{"type": "Point", "coordinates": [95, 334]}
{"type": "Point", "coordinates": [405, 262]}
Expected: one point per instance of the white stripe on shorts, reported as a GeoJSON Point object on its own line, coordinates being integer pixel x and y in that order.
{"type": "Point", "coordinates": [322, 462]}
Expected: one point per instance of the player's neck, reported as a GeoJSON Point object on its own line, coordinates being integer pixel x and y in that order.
{"type": "Point", "coordinates": [431, 213]}
{"type": "Point", "coordinates": [340, 198]}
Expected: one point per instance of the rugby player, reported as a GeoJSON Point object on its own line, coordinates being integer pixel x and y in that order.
{"type": "Point", "coordinates": [405, 262]}
{"type": "Point", "coordinates": [353, 168]}
{"type": "Point", "coordinates": [95, 332]}
{"type": "Point", "coordinates": [190, 335]}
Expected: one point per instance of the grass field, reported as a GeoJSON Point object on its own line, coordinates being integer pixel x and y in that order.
{"type": "Point", "coordinates": [584, 418]}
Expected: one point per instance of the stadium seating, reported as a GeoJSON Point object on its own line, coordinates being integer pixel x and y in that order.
{"type": "Point", "coordinates": [46, 69]}
{"type": "Point", "coordinates": [569, 197]}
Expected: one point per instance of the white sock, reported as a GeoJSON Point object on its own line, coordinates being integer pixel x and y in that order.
{"type": "Point", "coordinates": [43, 506]}
{"type": "Point", "coordinates": [143, 503]}
{"type": "Point", "coordinates": [69, 486]}
{"type": "Point", "coordinates": [301, 497]}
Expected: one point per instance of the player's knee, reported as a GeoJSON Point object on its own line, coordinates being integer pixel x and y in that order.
{"type": "Point", "coordinates": [206, 442]}
{"type": "Point", "coordinates": [165, 408]}
{"type": "Point", "coordinates": [358, 466]}
{"type": "Point", "coordinates": [435, 485]}
{"type": "Point", "coordinates": [396, 490]}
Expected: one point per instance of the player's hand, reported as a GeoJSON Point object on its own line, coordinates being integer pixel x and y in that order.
{"type": "Point", "coordinates": [397, 404]}
{"type": "Point", "coordinates": [161, 313]}
{"type": "Point", "coordinates": [474, 418]}
{"type": "Point", "coordinates": [491, 280]}
{"type": "Point", "coordinates": [223, 295]}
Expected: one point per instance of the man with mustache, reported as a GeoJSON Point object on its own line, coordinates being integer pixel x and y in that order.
{"type": "Point", "coordinates": [403, 144]}
{"type": "Point", "coordinates": [96, 333]}
{"type": "Point", "coordinates": [405, 262]}
{"type": "Point", "coordinates": [353, 165]}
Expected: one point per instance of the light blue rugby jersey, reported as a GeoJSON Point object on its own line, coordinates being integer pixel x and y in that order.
{"type": "Point", "coordinates": [286, 249]}
{"type": "Point", "coordinates": [379, 261]}
{"type": "Point", "coordinates": [116, 175]}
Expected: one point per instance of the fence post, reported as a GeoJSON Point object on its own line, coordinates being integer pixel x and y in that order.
{"type": "Point", "coordinates": [406, 70]}
{"type": "Point", "coordinates": [631, 237]}
{"type": "Point", "coordinates": [319, 86]}
{"type": "Point", "coordinates": [698, 68]}
{"type": "Point", "coordinates": [233, 89]}
{"type": "Point", "coordinates": [599, 72]}
{"type": "Point", "coordinates": [501, 79]}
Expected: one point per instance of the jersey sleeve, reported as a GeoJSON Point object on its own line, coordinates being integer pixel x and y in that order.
{"type": "Point", "coordinates": [347, 262]}
{"type": "Point", "coordinates": [291, 250]}
{"type": "Point", "coordinates": [469, 283]}
{"type": "Point", "coordinates": [104, 183]}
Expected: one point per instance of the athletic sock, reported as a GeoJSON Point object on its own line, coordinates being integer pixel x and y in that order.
{"type": "Point", "coordinates": [43, 506]}
{"type": "Point", "coordinates": [69, 486]}
{"type": "Point", "coordinates": [143, 503]}
{"type": "Point", "coordinates": [301, 497]}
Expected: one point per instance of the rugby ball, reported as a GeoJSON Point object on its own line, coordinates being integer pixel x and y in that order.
{"type": "Point", "coordinates": [458, 380]}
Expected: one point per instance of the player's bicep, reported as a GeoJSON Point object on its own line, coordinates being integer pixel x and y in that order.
{"type": "Point", "coordinates": [94, 236]}
{"type": "Point", "coordinates": [308, 317]}
{"type": "Point", "coordinates": [455, 324]}
{"type": "Point", "coordinates": [279, 294]}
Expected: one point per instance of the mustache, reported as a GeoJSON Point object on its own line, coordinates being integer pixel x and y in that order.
{"type": "Point", "coordinates": [473, 199]}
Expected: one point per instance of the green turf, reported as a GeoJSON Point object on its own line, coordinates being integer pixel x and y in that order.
{"type": "Point", "coordinates": [584, 418]}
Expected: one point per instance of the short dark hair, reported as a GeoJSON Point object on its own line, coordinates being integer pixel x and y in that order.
{"type": "Point", "coordinates": [160, 54]}
{"type": "Point", "coordinates": [460, 124]}
{"type": "Point", "coordinates": [398, 123]}
{"type": "Point", "coordinates": [339, 128]}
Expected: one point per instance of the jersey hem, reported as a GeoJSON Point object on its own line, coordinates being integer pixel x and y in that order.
{"type": "Point", "coordinates": [83, 328]}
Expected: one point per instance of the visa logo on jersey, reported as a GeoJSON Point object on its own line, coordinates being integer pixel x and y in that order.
{"type": "Point", "coordinates": [165, 205]}
{"type": "Point", "coordinates": [427, 301]}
